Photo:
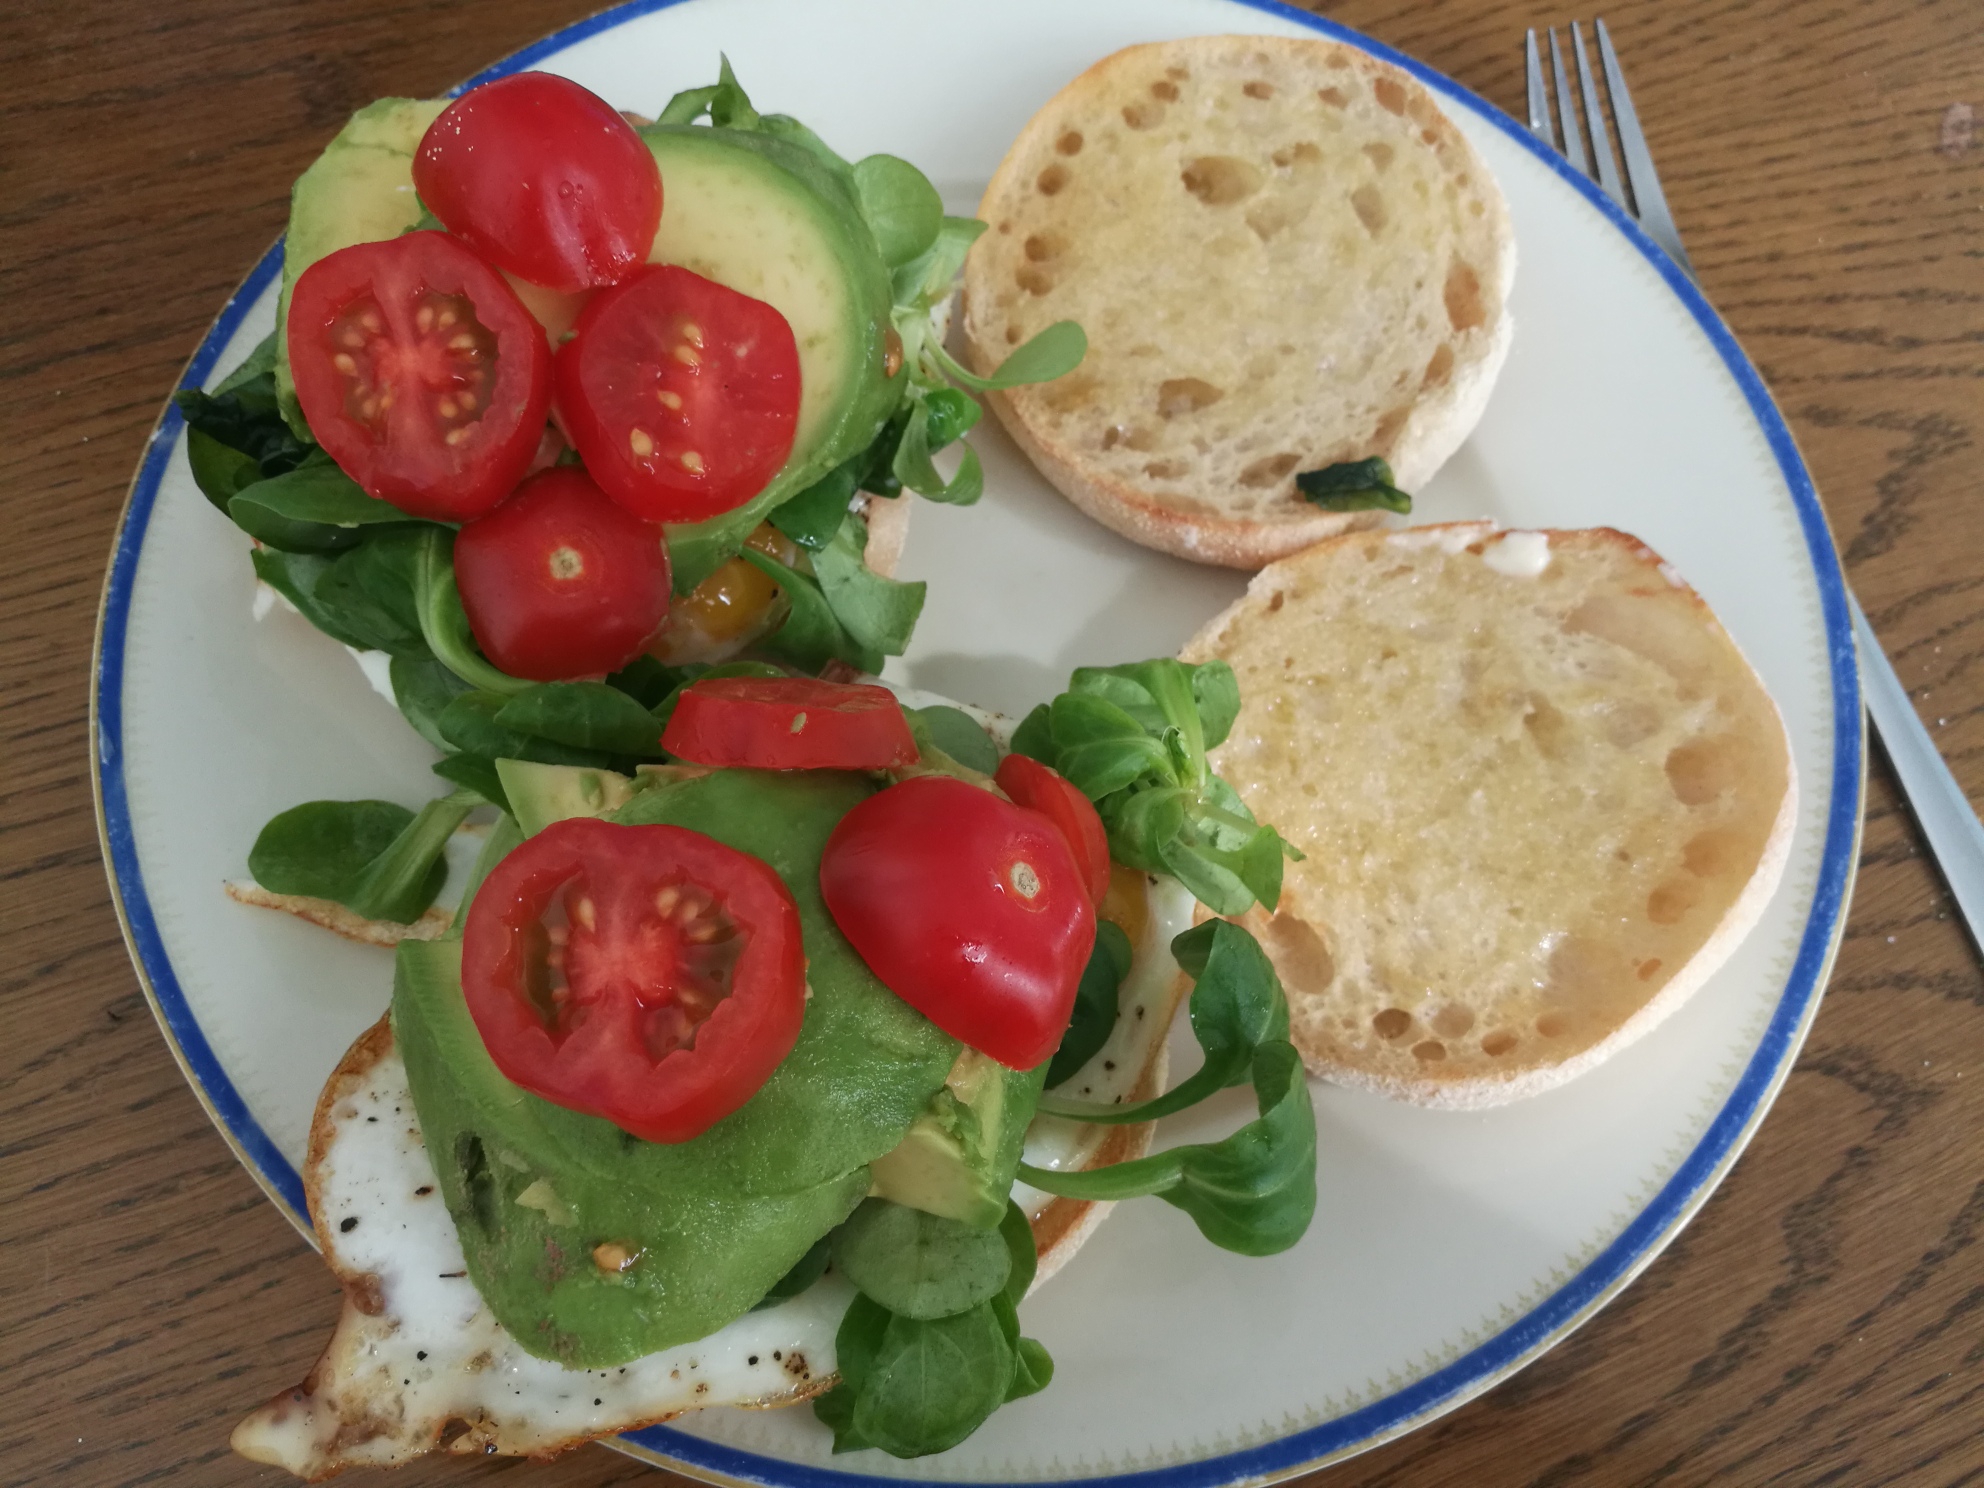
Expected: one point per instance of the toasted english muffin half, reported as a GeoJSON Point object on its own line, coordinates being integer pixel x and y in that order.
{"type": "Point", "coordinates": [417, 1363]}
{"type": "Point", "coordinates": [1541, 794]}
{"type": "Point", "coordinates": [1285, 256]}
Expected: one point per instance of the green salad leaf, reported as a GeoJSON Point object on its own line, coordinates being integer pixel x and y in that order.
{"type": "Point", "coordinates": [1255, 1191]}
{"type": "Point", "coordinates": [1353, 485]}
{"type": "Point", "coordinates": [1095, 1005]}
{"type": "Point", "coordinates": [377, 859]}
{"type": "Point", "coordinates": [1133, 739]}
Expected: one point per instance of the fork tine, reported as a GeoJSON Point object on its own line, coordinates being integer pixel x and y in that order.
{"type": "Point", "coordinates": [1539, 100]}
{"type": "Point", "coordinates": [1594, 115]}
{"type": "Point", "coordinates": [1573, 136]}
{"type": "Point", "coordinates": [1650, 201]}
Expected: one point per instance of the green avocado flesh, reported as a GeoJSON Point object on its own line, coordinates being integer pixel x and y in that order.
{"type": "Point", "coordinates": [960, 1155]}
{"type": "Point", "coordinates": [715, 1221]}
{"type": "Point", "coordinates": [764, 218]}
{"type": "Point", "coordinates": [360, 190]}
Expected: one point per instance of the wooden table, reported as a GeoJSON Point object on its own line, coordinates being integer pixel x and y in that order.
{"type": "Point", "coordinates": [1820, 1322]}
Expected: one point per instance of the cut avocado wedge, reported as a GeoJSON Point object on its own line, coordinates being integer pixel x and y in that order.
{"type": "Point", "coordinates": [767, 219]}
{"type": "Point", "coordinates": [360, 190]}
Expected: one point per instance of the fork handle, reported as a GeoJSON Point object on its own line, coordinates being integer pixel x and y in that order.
{"type": "Point", "coordinates": [1955, 836]}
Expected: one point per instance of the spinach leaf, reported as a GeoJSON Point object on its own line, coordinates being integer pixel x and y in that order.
{"type": "Point", "coordinates": [371, 591]}
{"type": "Point", "coordinates": [1133, 739]}
{"type": "Point", "coordinates": [218, 470]}
{"type": "Point", "coordinates": [919, 1265]}
{"type": "Point", "coordinates": [878, 613]}
{"type": "Point", "coordinates": [857, 1343]}
{"type": "Point", "coordinates": [375, 858]}
{"type": "Point", "coordinates": [402, 881]}
{"type": "Point", "coordinates": [1237, 1006]}
{"type": "Point", "coordinates": [313, 508]}
{"type": "Point", "coordinates": [1053, 352]}
{"type": "Point", "coordinates": [443, 623]}
{"type": "Point", "coordinates": [813, 516]}
{"type": "Point", "coordinates": [1353, 485]}
{"type": "Point", "coordinates": [422, 688]}
{"type": "Point", "coordinates": [913, 467]}
{"type": "Point", "coordinates": [259, 363]}
{"type": "Point", "coordinates": [243, 416]}
{"type": "Point", "coordinates": [1023, 1257]}
{"type": "Point", "coordinates": [808, 1269]}
{"type": "Point", "coordinates": [811, 635]}
{"type": "Point", "coordinates": [474, 772]}
{"type": "Point", "coordinates": [297, 578]}
{"type": "Point", "coordinates": [902, 208]}
{"type": "Point", "coordinates": [585, 715]}
{"type": "Point", "coordinates": [1095, 1002]}
{"type": "Point", "coordinates": [320, 847]}
{"type": "Point", "coordinates": [646, 680]}
{"type": "Point", "coordinates": [932, 1382]}
{"type": "Point", "coordinates": [470, 724]}
{"type": "Point", "coordinates": [1254, 1192]}
{"type": "Point", "coordinates": [957, 733]}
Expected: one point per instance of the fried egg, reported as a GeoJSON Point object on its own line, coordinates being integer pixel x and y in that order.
{"type": "Point", "coordinates": [418, 1363]}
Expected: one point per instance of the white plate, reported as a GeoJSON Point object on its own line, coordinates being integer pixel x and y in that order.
{"type": "Point", "coordinates": [1448, 1249]}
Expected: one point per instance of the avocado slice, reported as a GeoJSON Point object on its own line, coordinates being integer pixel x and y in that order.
{"type": "Point", "coordinates": [539, 1193]}
{"type": "Point", "coordinates": [360, 190]}
{"type": "Point", "coordinates": [960, 1155]}
{"type": "Point", "coordinates": [542, 794]}
{"type": "Point", "coordinates": [766, 218]}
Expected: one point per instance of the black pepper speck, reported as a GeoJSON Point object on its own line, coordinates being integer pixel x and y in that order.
{"type": "Point", "coordinates": [348, 1224]}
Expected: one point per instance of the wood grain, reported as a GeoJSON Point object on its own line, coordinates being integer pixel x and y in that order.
{"type": "Point", "coordinates": [1820, 1322]}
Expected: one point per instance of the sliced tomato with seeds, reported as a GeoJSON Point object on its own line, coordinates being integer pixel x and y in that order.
{"type": "Point", "coordinates": [649, 975]}
{"type": "Point", "coordinates": [558, 582]}
{"type": "Point", "coordinates": [682, 396]}
{"type": "Point", "coordinates": [789, 723]}
{"type": "Point", "coordinates": [420, 373]}
{"type": "Point", "coordinates": [1032, 785]}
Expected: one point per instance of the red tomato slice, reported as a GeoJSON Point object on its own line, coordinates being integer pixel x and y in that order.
{"type": "Point", "coordinates": [1032, 785]}
{"type": "Point", "coordinates": [420, 372]}
{"type": "Point", "coordinates": [649, 975]}
{"type": "Point", "coordinates": [969, 909]}
{"type": "Point", "coordinates": [682, 396]}
{"type": "Point", "coordinates": [558, 582]}
{"type": "Point", "coordinates": [544, 179]}
{"type": "Point", "coordinates": [789, 723]}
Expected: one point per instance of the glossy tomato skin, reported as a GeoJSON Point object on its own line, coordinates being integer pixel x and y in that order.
{"type": "Point", "coordinates": [968, 908]}
{"type": "Point", "coordinates": [789, 723]}
{"type": "Point", "coordinates": [558, 582]}
{"type": "Point", "coordinates": [1034, 786]}
{"type": "Point", "coordinates": [420, 373]}
{"type": "Point", "coordinates": [681, 395]}
{"type": "Point", "coordinates": [544, 179]}
{"type": "Point", "coordinates": [592, 950]}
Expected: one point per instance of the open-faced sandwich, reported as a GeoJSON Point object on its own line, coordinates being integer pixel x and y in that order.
{"type": "Point", "coordinates": [786, 1031]}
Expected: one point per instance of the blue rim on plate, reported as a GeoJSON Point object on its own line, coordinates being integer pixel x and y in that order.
{"type": "Point", "coordinates": [1445, 1388]}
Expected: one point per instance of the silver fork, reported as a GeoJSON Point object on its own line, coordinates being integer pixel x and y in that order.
{"type": "Point", "coordinates": [1947, 820]}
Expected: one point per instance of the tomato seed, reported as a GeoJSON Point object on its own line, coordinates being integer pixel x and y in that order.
{"type": "Point", "coordinates": [467, 401]}
{"type": "Point", "coordinates": [423, 318]}
{"type": "Point", "coordinates": [586, 915]}
{"type": "Point", "coordinates": [687, 357]}
{"type": "Point", "coordinates": [668, 400]}
{"type": "Point", "coordinates": [447, 408]}
{"type": "Point", "coordinates": [693, 334]}
{"type": "Point", "coordinates": [664, 902]}
{"type": "Point", "coordinates": [692, 462]}
{"type": "Point", "coordinates": [798, 722]}
{"type": "Point", "coordinates": [640, 443]}
{"type": "Point", "coordinates": [344, 363]}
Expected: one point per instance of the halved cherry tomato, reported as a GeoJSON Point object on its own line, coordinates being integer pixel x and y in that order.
{"type": "Point", "coordinates": [969, 908]}
{"type": "Point", "coordinates": [558, 582]}
{"type": "Point", "coordinates": [681, 395]}
{"type": "Point", "coordinates": [789, 723]}
{"type": "Point", "coordinates": [544, 179]}
{"type": "Point", "coordinates": [649, 975]}
{"type": "Point", "coordinates": [420, 372]}
{"type": "Point", "coordinates": [1032, 785]}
